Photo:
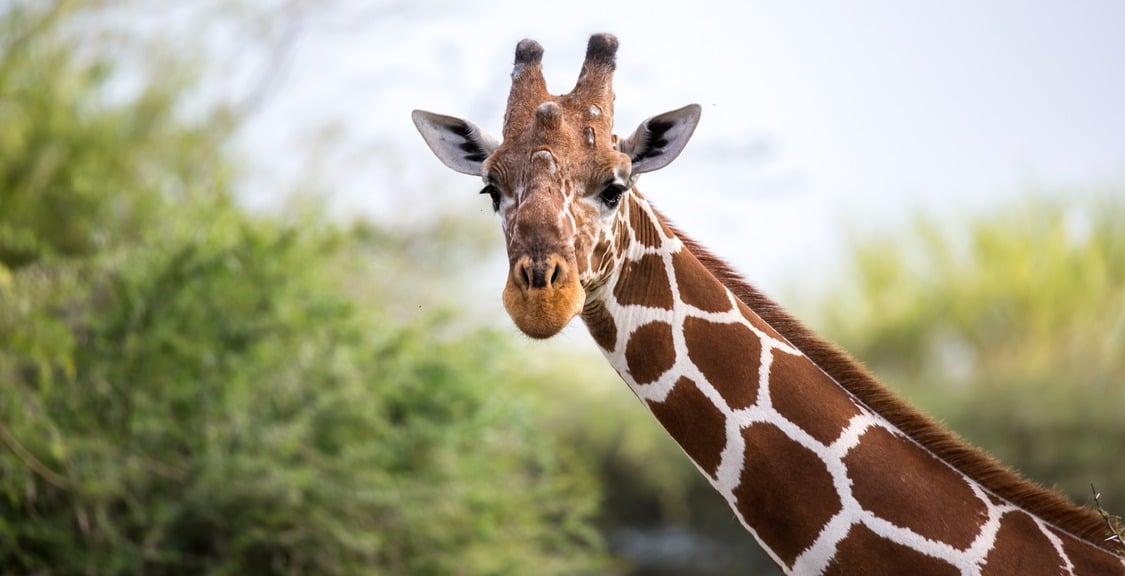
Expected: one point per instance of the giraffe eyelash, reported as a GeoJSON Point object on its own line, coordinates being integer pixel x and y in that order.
{"type": "Point", "coordinates": [493, 192]}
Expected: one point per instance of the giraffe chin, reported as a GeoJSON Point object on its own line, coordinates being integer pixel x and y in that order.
{"type": "Point", "coordinates": [543, 312]}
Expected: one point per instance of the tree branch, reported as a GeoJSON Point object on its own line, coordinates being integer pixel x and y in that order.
{"type": "Point", "coordinates": [32, 462]}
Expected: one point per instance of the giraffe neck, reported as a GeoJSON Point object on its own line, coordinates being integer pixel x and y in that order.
{"type": "Point", "coordinates": [825, 468]}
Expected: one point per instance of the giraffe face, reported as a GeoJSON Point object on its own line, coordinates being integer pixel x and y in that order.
{"type": "Point", "coordinates": [556, 191]}
{"type": "Point", "coordinates": [557, 179]}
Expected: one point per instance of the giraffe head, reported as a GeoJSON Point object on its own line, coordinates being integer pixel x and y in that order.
{"type": "Point", "coordinates": [557, 179]}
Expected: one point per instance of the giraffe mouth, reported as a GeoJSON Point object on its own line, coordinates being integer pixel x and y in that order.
{"type": "Point", "coordinates": [543, 295]}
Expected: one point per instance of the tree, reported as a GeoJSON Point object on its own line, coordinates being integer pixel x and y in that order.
{"type": "Point", "coordinates": [187, 388]}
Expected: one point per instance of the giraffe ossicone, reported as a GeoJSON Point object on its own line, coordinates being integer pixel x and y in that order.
{"type": "Point", "coordinates": [829, 471]}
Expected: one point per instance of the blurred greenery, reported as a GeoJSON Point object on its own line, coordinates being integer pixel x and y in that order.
{"type": "Point", "coordinates": [1011, 330]}
{"type": "Point", "coordinates": [191, 389]}
{"type": "Point", "coordinates": [77, 172]}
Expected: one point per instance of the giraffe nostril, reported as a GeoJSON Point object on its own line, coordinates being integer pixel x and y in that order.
{"type": "Point", "coordinates": [546, 273]}
{"type": "Point", "coordinates": [554, 275]}
{"type": "Point", "coordinates": [525, 275]}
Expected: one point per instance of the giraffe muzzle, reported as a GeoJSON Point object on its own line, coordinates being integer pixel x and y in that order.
{"type": "Point", "coordinates": [542, 295]}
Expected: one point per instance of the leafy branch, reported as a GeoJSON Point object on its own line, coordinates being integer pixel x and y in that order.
{"type": "Point", "coordinates": [31, 461]}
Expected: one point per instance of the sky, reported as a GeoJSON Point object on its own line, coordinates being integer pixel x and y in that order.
{"type": "Point", "coordinates": [821, 121]}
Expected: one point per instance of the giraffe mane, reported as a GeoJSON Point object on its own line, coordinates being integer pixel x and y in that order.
{"type": "Point", "coordinates": [1049, 505]}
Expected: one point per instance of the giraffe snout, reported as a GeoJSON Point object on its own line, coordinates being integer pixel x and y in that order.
{"type": "Point", "coordinates": [542, 294]}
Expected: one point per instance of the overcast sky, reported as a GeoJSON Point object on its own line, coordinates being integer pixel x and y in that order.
{"type": "Point", "coordinates": [818, 121]}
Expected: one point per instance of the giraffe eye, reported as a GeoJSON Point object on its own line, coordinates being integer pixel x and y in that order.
{"type": "Point", "coordinates": [611, 195]}
{"type": "Point", "coordinates": [494, 192]}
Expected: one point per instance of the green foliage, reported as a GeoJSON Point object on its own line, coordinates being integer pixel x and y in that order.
{"type": "Point", "coordinates": [188, 389]}
{"type": "Point", "coordinates": [71, 162]}
{"type": "Point", "coordinates": [212, 404]}
{"type": "Point", "coordinates": [1013, 332]}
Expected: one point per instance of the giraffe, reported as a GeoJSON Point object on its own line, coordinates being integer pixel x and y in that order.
{"type": "Point", "coordinates": [830, 472]}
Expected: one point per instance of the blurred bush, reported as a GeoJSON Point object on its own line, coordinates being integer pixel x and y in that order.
{"type": "Point", "coordinates": [188, 389]}
{"type": "Point", "coordinates": [1011, 330]}
{"type": "Point", "coordinates": [79, 169]}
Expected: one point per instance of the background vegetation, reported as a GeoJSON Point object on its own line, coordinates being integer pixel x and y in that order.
{"type": "Point", "coordinates": [189, 388]}
{"type": "Point", "coordinates": [1011, 330]}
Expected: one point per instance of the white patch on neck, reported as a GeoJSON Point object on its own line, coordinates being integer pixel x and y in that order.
{"type": "Point", "coordinates": [594, 111]}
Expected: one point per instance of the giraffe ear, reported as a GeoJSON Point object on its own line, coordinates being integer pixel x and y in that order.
{"type": "Point", "coordinates": [658, 140]}
{"type": "Point", "coordinates": [459, 144]}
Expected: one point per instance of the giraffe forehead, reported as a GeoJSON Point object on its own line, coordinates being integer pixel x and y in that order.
{"type": "Point", "coordinates": [559, 119]}
{"type": "Point", "coordinates": [565, 154]}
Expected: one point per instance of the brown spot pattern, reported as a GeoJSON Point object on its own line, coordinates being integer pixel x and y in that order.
{"type": "Point", "coordinates": [1088, 559]}
{"type": "Point", "coordinates": [807, 397]}
{"type": "Point", "coordinates": [914, 490]}
{"type": "Point", "coordinates": [643, 229]}
{"type": "Point", "coordinates": [694, 422]}
{"type": "Point", "coordinates": [595, 248]}
{"type": "Point", "coordinates": [994, 500]}
{"type": "Point", "coordinates": [1021, 548]}
{"type": "Point", "coordinates": [865, 552]}
{"type": "Point", "coordinates": [697, 286]}
{"type": "Point", "coordinates": [729, 355]}
{"type": "Point", "coordinates": [786, 495]}
{"type": "Point", "coordinates": [601, 325]}
{"type": "Point", "coordinates": [644, 282]}
{"type": "Point", "coordinates": [650, 352]}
